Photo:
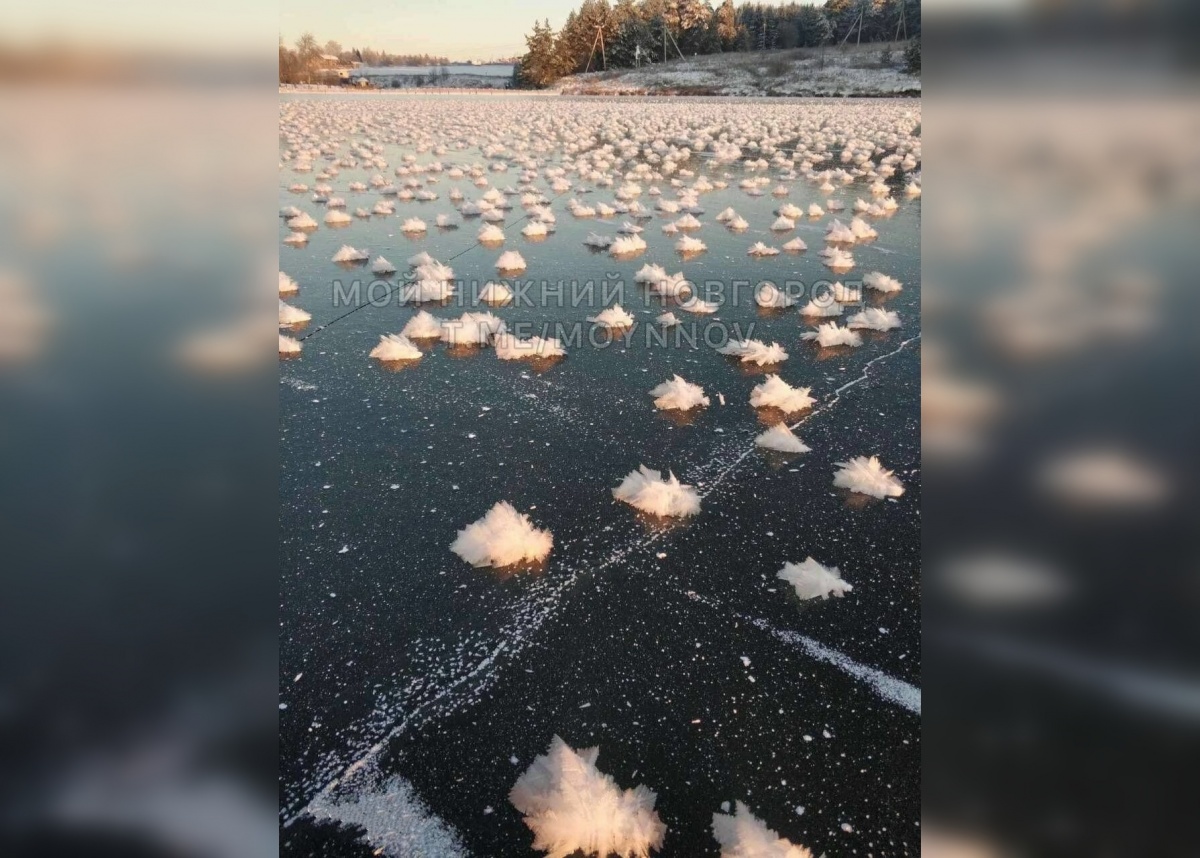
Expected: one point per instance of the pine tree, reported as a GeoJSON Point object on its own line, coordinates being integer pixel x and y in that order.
{"type": "Point", "coordinates": [543, 63]}
{"type": "Point", "coordinates": [812, 27]}
{"type": "Point", "coordinates": [623, 53]}
{"type": "Point", "coordinates": [624, 10]}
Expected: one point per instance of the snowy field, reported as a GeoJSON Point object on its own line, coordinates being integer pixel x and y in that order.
{"type": "Point", "coordinates": [849, 71]}
{"type": "Point", "coordinates": [475, 561]}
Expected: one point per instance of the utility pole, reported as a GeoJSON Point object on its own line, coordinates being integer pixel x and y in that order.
{"type": "Point", "coordinates": [857, 23]}
{"type": "Point", "coordinates": [667, 35]}
{"type": "Point", "coordinates": [600, 41]}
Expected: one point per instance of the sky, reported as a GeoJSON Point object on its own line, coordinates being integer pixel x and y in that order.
{"type": "Point", "coordinates": [458, 29]}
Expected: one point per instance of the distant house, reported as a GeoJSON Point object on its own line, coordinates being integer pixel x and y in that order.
{"type": "Point", "coordinates": [333, 69]}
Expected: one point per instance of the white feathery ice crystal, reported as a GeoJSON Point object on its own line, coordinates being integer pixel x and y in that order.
{"type": "Point", "coordinates": [821, 307]}
{"type": "Point", "coordinates": [699, 306]}
{"type": "Point", "coordinates": [795, 245]}
{"type": "Point", "coordinates": [783, 224]}
{"type": "Point", "coordinates": [774, 392]}
{"type": "Point", "coordinates": [571, 806]}
{"type": "Point", "coordinates": [839, 232]}
{"type": "Point", "coordinates": [433, 270]}
{"type": "Point", "coordinates": [535, 229]}
{"type": "Point", "coordinates": [648, 491]}
{"type": "Point", "coordinates": [742, 835]}
{"type": "Point", "coordinates": [287, 286]}
{"type": "Point", "coordinates": [760, 249]}
{"type": "Point", "coordinates": [422, 258]}
{"type": "Point", "coordinates": [510, 260]}
{"type": "Point", "coordinates": [346, 253]}
{"type": "Point", "coordinates": [289, 345]}
{"type": "Point", "coordinates": [812, 580]}
{"type": "Point", "coordinates": [832, 334]}
{"type": "Point", "coordinates": [779, 437]}
{"type": "Point", "coordinates": [422, 291]}
{"type": "Point", "coordinates": [867, 476]}
{"type": "Point", "coordinates": [382, 266]}
{"type": "Point", "coordinates": [837, 259]}
{"type": "Point", "coordinates": [845, 294]}
{"type": "Point", "coordinates": [754, 351]}
{"type": "Point", "coordinates": [495, 293]}
{"type": "Point", "coordinates": [472, 329]}
{"type": "Point", "coordinates": [677, 393]}
{"type": "Point", "coordinates": [395, 347]}
{"type": "Point", "coordinates": [423, 326]}
{"type": "Point", "coordinates": [627, 245]}
{"type": "Point", "coordinates": [510, 347]}
{"type": "Point", "coordinates": [302, 221]}
{"type": "Point", "coordinates": [667, 319]}
{"type": "Point", "coordinates": [862, 229]}
{"type": "Point", "coordinates": [881, 282]}
{"type": "Point", "coordinates": [687, 244]}
{"type": "Point", "coordinates": [650, 273]}
{"type": "Point", "coordinates": [502, 537]}
{"type": "Point", "coordinates": [672, 286]}
{"type": "Point", "coordinates": [596, 240]}
{"type": "Point", "coordinates": [413, 225]}
{"type": "Point", "coordinates": [333, 217]}
{"type": "Point", "coordinates": [612, 317]}
{"type": "Point", "coordinates": [769, 295]}
{"type": "Point", "coordinates": [875, 319]}
{"type": "Point", "coordinates": [289, 315]}
{"type": "Point", "coordinates": [490, 234]}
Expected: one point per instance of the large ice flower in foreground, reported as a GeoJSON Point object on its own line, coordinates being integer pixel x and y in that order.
{"type": "Point", "coordinates": [742, 835]}
{"type": "Point", "coordinates": [501, 538]}
{"type": "Point", "coordinates": [867, 477]}
{"type": "Point", "coordinates": [571, 806]}
{"type": "Point", "coordinates": [646, 490]}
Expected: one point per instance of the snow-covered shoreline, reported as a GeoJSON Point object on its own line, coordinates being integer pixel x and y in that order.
{"type": "Point", "coordinates": [850, 72]}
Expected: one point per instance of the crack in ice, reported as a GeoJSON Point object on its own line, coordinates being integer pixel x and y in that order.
{"type": "Point", "coordinates": [540, 603]}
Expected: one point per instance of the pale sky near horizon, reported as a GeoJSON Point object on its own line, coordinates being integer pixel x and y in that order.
{"type": "Point", "coordinates": [458, 29]}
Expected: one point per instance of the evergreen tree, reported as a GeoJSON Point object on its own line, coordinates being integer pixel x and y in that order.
{"type": "Point", "coordinates": [578, 36]}
{"type": "Point", "coordinates": [624, 10]}
{"type": "Point", "coordinates": [812, 27]}
{"type": "Point", "coordinates": [543, 63]}
{"type": "Point", "coordinates": [623, 53]}
{"type": "Point", "coordinates": [912, 57]}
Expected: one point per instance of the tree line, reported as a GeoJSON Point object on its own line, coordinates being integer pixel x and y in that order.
{"type": "Point", "coordinates": [637, 32]}
{"type": "Point", "coordinates": [304, 63]}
